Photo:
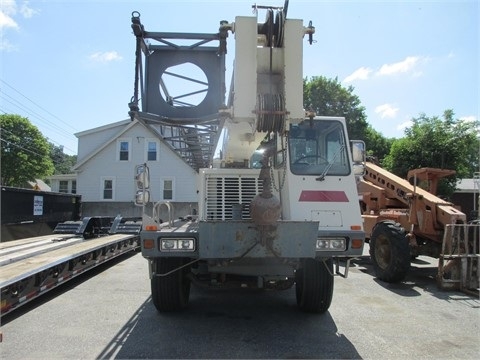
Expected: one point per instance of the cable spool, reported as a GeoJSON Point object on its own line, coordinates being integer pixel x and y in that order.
{"type": "Point", "coordinates": [271, 106]}
{"type": "Point", "coordinates": [273, 28]}
{"type": "Point", "coordinates": [279, 28]}
{"type": "Point", "coordinates": [268, 27]}
{"type": "Point", "coordinates": [270, 112]}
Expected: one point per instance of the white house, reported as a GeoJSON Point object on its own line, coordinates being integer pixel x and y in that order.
{"type": "Point", "coordinates": [107, 157]}
{"type": "Point", "coordinates": [467, 196]}
{"type": "Point", "coordinates": [63, 183]}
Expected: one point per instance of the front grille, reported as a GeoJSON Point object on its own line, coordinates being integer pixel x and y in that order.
{"type": "Point", "coordinates": [224, 191]}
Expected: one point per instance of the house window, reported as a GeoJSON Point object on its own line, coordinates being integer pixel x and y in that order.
{"type": "Point", "coordinates": [74, 186]}
{"type": "Point", "coordinates": [152, 150]}
{"type": "Point", "coordinates": [108, 187]}
{"type": "Point", "coordinates": [123, 150]}
{"type": "Point", "coordinates": [63, 186]}
{"type": "Point", "coordinates": [167, 189]}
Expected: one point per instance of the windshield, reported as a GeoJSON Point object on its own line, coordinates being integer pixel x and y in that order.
{"type": "Point", "coordinates": [318, 147]}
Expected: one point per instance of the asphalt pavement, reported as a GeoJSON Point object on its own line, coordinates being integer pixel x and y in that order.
{"type": "Point", "coordinates": [109, 314]}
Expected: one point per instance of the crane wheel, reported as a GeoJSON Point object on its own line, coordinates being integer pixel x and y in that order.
{"type": "Point", "coordinates": [314, 285]}
{"type": "Point", "coordinates": [389, 251]}
{"type": "Point", "coordinates": [170, 292]}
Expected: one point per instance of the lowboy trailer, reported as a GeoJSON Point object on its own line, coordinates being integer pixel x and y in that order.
{"type": "Point", "coordinates": [30, 267]}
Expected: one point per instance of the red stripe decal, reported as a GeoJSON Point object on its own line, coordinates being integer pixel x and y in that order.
{"type": "Point", "coordinates": [323, 196]}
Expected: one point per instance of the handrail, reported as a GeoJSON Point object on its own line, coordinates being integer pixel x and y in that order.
{"type": "Point", "coordinates": [156, 211]}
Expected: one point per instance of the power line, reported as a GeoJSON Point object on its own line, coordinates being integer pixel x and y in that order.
{"type": "Point", "coordinates": [23, 147]}
{"type": "Point", "coordinates": [19, 105]}
{"type": "Point", "coordinates": [36, 118]}
{"type": "Point", "coordinates": [27, 150]}
{"type": "Point", "coordinates": [48, 139]}
{"type": "Point", "coordinates": [8, 142]}
{"type": "Point", "coordinates": [34, 103]}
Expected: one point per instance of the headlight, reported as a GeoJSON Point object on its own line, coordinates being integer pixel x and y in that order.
{"type": "Point", "coordinates": [331, 244]}
{"type": "Point", "coordinates": [169, 244]}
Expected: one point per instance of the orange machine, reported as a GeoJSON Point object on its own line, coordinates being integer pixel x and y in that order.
{"type": "Point", "coordinates": [402, 221]}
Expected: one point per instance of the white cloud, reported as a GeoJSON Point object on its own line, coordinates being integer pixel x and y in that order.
{"type": "Point", "coordinates": [8, 13]}
{"type": "Point", "coordinates": [105, 57]}
{"type": "Point", "coordinates": [5, 45]}
{"type": "Point", "coordinates": [409, 65]}
{"type": "Point", "coordinates": [27, 11]}
{"type": "Point", "coordinates": [470, 118]}
{"type": "Point", "coordinates": [386, 111]}
{"type": "Point", "coordinates": [405, 125]}
{"type": "Point", "coordinates": [399, 67]}
{"type": "Point", "coordinates": [8, 7]}
{"type": "Point", "coordinates": [360, 74]}
{"type": "Point", "coordinates": [6, 21]}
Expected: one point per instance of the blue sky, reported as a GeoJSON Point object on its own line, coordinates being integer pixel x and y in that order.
{"type": "Point", "coordinates": [69, 65]}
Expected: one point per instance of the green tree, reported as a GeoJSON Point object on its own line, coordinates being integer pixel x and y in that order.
{"type": "Point", "coordinates": [378, 146]}
{"type": "Point", "coordinates": [62, 162]}
{"type": "Point", "coordinates": [444, 143]}
{"type": "Point", "coordinates": [25, 153]}
{"type": "Point", "coordinates": [328, 97]}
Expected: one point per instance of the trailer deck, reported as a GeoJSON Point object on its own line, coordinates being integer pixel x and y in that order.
{"type": "Point", "coordinates": [30, 267]}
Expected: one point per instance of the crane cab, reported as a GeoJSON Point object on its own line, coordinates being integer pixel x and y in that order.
{"type": "Point", "coordinates": [314, 175]}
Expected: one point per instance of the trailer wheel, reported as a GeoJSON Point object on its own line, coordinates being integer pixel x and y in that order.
{"type": "Point", "coordinates": [314, 285]}
{"type": "Point", "coordinates": [389, 251]}
{"type": "Point", "coordinates": [170, 292]}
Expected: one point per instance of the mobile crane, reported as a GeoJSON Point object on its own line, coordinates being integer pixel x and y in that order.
{"type": "Point", "coordinates": [403, 221]}
{"type": "Point", "coordinates": [285, 223]}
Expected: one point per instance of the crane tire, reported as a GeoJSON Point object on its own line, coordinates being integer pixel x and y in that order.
{"type": "Point", "coordinates": [170, 293]}
{"type": "Point", "coordinates": [314, 285]}
{"type": "Point", "coordinates": [390, 251]}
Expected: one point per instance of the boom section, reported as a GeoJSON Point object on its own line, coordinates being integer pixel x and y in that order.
{"type": "Point", "coordinates": [386, 194]}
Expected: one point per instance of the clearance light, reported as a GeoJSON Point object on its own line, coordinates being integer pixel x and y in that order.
{"type": "Point", "coordinates": [148, 244]}
{"type": "Point", "coordinates": [151, 228]}
{"type": "Point", "coordinates": [357, 243]}
{"type": "Point", "coordinates": [331, 244]}
{"type": "Point", "coordinates": [177, 244]}
{"type": "Point", "coordinates": [355, 227]}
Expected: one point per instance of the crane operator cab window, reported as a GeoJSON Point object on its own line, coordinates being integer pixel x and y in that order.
{"type": "Point", "coordinates": [318, 147]}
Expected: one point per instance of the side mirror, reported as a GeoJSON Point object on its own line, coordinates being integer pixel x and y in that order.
{"type": "Point", "coordinates": [142, 181]}
{"type": "Point", "coordinates": [358, 157]}
{"type": "Point", "coordinates": [142, 176]}
{"type": "Point", "coordinates": [142, 197]}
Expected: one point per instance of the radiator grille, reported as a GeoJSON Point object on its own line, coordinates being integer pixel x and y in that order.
{"type": "Point", "coordinates": [223, 191]}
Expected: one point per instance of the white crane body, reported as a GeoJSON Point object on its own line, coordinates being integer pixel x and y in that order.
{"type": "Point", "coordinates": [282, 206]}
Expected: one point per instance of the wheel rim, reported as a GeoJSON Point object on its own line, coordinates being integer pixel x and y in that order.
{"type": "Point", "coordinates": [382, 252]}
